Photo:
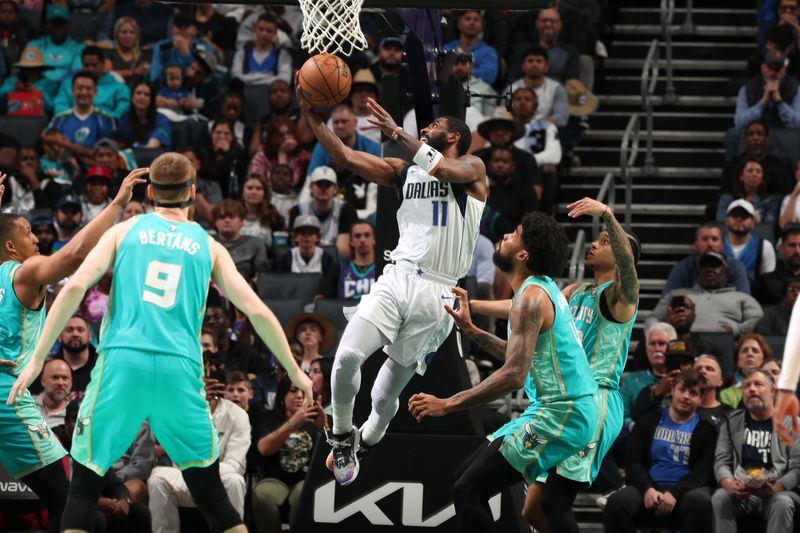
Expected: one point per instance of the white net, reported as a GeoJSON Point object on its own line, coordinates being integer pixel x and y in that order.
{"type": "Point", "coordinates": [331, 26]}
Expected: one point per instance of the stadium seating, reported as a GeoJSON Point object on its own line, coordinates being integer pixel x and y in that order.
{"type": "Point", "coordinates": [273, 285]}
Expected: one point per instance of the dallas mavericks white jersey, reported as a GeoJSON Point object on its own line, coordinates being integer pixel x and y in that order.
{"type": "Point", "coordinates": [438, 224]}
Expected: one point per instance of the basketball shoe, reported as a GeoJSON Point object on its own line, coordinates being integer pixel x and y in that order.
{"type": "Point", "coordinates": [343, 459]}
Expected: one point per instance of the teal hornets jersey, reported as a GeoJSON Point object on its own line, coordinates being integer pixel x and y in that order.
{"type": "Point", "coordinates": [559, 369]}
{"type": "Point", "coordinates": [605, 341]}
{"type": "Point", "coordinates": [161, 276]}
{"type": "Point", "coordinates": [20, 327]}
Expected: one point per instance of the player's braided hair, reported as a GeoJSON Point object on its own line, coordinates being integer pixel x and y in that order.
{"type": "Point", "coordinates": [546, 244]}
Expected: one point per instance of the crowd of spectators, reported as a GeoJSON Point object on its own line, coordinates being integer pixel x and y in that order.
{"type": "Point", "coordinates": [697, 447]}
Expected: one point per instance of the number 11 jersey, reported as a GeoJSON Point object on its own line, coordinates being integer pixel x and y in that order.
{"type": "Point", "coordinates": [158, 295]}
{"type": "Point", "coordinates": [438, 224]}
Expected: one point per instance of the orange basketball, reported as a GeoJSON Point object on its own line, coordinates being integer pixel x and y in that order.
{"type": "Point", "coordinates": [325, 80]}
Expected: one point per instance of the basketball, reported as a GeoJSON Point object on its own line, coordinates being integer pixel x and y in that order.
{"type": "Point", "coordinates": [325, 80]}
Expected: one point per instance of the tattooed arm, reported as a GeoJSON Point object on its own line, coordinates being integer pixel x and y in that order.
{"type": "Point", "coordinates": [461, 314]}
{"type": "Point", "coordinates": [623, 295]}
{"type": "Point", "coordinates": [531, 312]}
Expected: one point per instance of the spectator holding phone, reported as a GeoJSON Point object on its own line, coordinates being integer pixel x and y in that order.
{"type": "Point", "coordinates": [290, 434]}
{"type": "Point", "coordinates": [714, 307]}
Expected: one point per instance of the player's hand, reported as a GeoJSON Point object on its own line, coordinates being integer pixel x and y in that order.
{"type": "Point", "coordinates": [461, 315]}
{"type": "Point", "coordinates": [26, 377]}
{"type": "Point", "coordinates": [666, 505]}
{"type": "Point", "coordinates": [321, 418]}
{"type": "Point", "coordinates": [305, 105]}
{"type": "Point", "coordinates": [8, 363]}
{"type": "Point", "coordinates": [587, 206]}
{"type": "Point", "coordinates": [652, 498]}
{"type": "Point", "coordinates": [786, 405]}
{"type": "Point", "coordinates": [126, 188]}
{"type": "Point", "coordinates": [422, 405]}
{"type": "Point", "coordinates": [382, 118]}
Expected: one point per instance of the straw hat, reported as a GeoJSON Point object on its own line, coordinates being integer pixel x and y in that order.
{"type": "Point", "coordinates": [579, 99]}
{"type": "Point", "coordinates": [329, 335]}
{"type": "Point", "coordinates": [31, 57]}
{"type": "Point", "coordinates": [364, 76]}
{"type": "Point", "coordinates": [501, 115]}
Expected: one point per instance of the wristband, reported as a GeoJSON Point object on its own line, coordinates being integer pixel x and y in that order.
{"type": "Point", "coordinates": [428, 158]}
{"type": "Point", "coordinates": [395, 133]}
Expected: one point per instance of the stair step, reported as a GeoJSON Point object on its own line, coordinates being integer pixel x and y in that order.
{"type": "Point", "coordinates": [706, 30]}
{"type": "Point", "coordinates": [664, 120]}
{"type": "Point", "coordinates": [652, 234]}
{"type": "Point", "coordinates": [668, 172]}
{"type": "Point", "coordinates": [608, 155]}
{"type": "Point", "coordinates": [682, 50]}
{"type": "Point", "coordinates": [635, 100]}
{"type": "Point", "coordinates": [684, 85]}
{"type": "Point", "coordinates": [681, 64]}
{"type": "Point", "coordinates": [658, 135]}
{"type": "Point", "coordinates": [655, 209]}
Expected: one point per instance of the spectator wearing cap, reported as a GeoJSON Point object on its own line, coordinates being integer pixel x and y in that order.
{"type": "Point", "coordinates": [771, 96]}
{"type": "Point", "coordinates": [707, 238]}
{"type": "Point", "coordinates": [362, 89]}
{"type": "Point", "coordinates": [550, 94]}
{"type": "Point", "coordinates": [315, 332]}
{"type": "Point", "coordinates": [679, 355]}
{"type": "Point", "coordinates": [143, 126]}
{"type": "Point", "coordinates": [485, 99]}
{"type": "Point", "coordinates": [769, 288]}
{"type": "Point", "coordinates": [776, 317]}
{"type": "Point", "coordinates": [29, 92]}
{"type": "Point", "coordinates": [715, 306]}
{"type": "Point", "coordinates": [113, 95]}
{"type": "Point", "coordinates": [45, 231]}
{"type": "Point", "coordinates": [68, 218]}
{"type": "Point", "coordinates": [778, 174]}
{"type": "Point", "coordinates": [751, 187]}
{"type": "Point", "coordinates": [201, 80]}
{"type": "Point", "coordinates": [107, 154]}
{"type": "Point", "coordinates": [390, 61]}
{"type": "Point", "coordinates": [180, 49]}
{"type": "Point", "coordinates": [755, 253]}
{"type": "Point", "coordinates": [306, 256]}
{"type": "Point", "coordinates": [262, 61]}
{"type": "Point", "coordinates": [335, 215]}
{"type": "Point", "coordinates": [484, 57]}
{"type": "Point", "coordinates": [249, 253]}
{"type": "Point", "coordinates": [60, 51]}
{"type": "Point", "coordinates": [83, 125]}
{"type": "Point", "coordinates": [96, 194]}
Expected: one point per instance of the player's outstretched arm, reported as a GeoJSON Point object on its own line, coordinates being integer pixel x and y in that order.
{"type": "Point", "coordinates": [624, 294]}
{"type": "Point", "coordinates": [236, 289]}
{"type": "Point", "coordinates": [461, 314]}
{"type": "Point", "coordinates": [491, 308]}
{"type": "Point", "coordinates": [465, 169]}
{"type": "Point", "coordinates": [786, 403]}
{"type": "Point", "coordinates": [97, 263]}
{"type": "Point", "coordinates": [382, 171]}
{"type": "Point", "coordinates": [44, 270]}
{"type": "Point", "coordinates": [527, 317]}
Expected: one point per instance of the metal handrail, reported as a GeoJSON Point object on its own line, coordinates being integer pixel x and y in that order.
{"type": "Point", "coordinates": [629, 150]}
{"type": "Point", "coordinates": [688, 24]}
{"type": "Point", "coordinates": [648, 90]}
{"type": "Point", "coordinates": [667, 13]}
{"type": "Point", "coordinates": [580, 240]}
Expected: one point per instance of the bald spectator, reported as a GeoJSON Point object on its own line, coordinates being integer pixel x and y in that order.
{"type": "Point", "coordinates": [77, 351]}
{"type": "Point", "coordinates": [56, 382]}
{"type": "Point", "coordinates": [484, 57]}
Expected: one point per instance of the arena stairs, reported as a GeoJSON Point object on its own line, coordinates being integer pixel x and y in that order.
{"type": "Point", "coordinates": [687, 138]}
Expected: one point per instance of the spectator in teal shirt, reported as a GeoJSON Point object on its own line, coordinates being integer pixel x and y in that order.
{"type": "Point", "coordinates": [60, 51]}
{"type": "Point", "coordinates": [113, 96]}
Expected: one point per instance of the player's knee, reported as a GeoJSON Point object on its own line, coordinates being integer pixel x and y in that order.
{"type": "Point", "coordinates": [348, 358]}
{"type": "Point", "coordinates": [383, 404]}
{"type": "Point", "coordinates": [464, 491]}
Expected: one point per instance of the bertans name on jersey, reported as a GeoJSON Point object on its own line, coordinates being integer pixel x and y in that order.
{"type": "Point", "coordinates": [176, 241]}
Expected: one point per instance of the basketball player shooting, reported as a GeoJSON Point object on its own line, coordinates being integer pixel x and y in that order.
{"type": "Point", "coordinates": [443, 194]}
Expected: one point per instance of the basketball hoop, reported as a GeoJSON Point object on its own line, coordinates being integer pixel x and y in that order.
{"type": "Point", "coordinates": [331, 26]}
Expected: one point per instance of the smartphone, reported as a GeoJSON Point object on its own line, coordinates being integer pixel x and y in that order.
{"type": "Point", "coordinates": [677, 302]}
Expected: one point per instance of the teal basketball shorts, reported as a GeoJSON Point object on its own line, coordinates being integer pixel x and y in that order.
{"type": "Point", "coordinates": [130, 386]}
{"type": "Point", "coordinates": [27, 442]}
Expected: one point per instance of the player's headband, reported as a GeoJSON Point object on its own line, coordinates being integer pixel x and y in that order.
{"type": "Point", "coordinates": [172, 187]}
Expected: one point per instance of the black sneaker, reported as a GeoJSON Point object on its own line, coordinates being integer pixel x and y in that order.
{"type": "Point", "coordinates": [344, 456]}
